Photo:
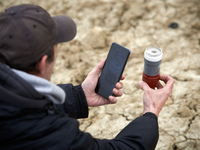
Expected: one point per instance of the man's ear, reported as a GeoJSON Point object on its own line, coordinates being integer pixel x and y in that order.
{"type": "Point", "coordinates": [41, 65]}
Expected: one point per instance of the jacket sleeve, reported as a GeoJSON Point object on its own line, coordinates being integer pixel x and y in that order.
{"type": "Point", "coordinates": [140, 134]}
{"type": "Point", "coordinates": [75, 105]}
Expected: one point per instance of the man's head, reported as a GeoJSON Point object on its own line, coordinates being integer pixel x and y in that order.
{"type": "Point", "coordinates": [28, 32]}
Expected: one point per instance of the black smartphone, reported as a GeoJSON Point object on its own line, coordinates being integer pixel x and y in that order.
{"type": "Point", "coordinates": [112, 70]}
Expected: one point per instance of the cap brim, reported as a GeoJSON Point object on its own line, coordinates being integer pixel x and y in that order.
{"type": "Point", "coordinates": [65, 28]}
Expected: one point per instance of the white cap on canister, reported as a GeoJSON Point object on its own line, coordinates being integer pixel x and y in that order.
{"type": "Point", "coordinates": [153, 54]}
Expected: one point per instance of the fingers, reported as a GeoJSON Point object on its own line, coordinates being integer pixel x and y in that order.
{"type": "Point", "coordinates": [117, 92]}
{"type": "Point", "coordinates": [160, 86]}
{"type": "Point", "coordinates": [112, 100]}
{"type": "Point", "coordinates": [169, 81]}
{"type": "Point", "coordinates": [165, 78]}
{"type": "Point", "coordinates": [144, 86]}
{"type": "Point", "coordinates": [119, 85]}
{"type": "Point", "coordinates": [122, 77]}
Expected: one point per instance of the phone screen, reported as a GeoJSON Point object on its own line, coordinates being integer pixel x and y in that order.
{"type": "Point", "coordinates": [112, 70]}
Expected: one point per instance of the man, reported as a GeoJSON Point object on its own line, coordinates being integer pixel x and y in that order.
{"type": "Point", "coordinates": [36, 114]}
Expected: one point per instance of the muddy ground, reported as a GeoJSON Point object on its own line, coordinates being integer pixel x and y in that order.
{"type": "Point", "coordinates": [135, 24]}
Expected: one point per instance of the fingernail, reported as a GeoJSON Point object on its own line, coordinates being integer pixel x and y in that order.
{"type": "Point", "coordinates": [111, 98]}
{"type": "Point", "coordinates": [116, 91]}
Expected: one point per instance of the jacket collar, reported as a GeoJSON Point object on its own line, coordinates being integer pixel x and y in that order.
{"type": "Point", "coordinates": [44, 87]}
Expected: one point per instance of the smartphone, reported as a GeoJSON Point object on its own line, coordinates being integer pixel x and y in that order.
{"type": "Point", "coordinates": [112, 71]}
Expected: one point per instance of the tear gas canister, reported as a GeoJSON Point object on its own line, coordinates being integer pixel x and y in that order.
{"type": "Point", "coordinates": [152, 61]}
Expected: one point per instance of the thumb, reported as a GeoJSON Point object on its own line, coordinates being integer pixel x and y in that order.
{"type": "Point", "coordinates": [97, 70]}
{"type": "Point", "coordinates": [143, 85]}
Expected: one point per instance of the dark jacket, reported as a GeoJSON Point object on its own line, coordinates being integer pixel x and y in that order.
{"type": "Point", "coordinates": [30, 121]}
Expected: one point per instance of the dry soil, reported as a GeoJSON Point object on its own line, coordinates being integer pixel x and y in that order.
{"type": "Point", "coordinates": [135, 24]}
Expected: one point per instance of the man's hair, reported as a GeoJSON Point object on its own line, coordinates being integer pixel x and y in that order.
{"type": "Point", "coordinates": [33, 68]}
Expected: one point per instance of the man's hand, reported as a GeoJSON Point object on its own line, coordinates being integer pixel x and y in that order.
{"type": "Point", "coordinates": [154, 100]}
{"type": "Point", "coordinates": [89, 85]}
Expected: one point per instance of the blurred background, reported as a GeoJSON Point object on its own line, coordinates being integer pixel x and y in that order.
{"type": "Point", "coordinates": [172, 25]}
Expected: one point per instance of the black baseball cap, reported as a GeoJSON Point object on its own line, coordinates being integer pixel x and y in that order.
{"type": "Point", "coordinates": [28, 32]}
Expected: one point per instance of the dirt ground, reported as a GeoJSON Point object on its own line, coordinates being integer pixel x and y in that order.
{"type": "Point", "coordinates": [135, 24]}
